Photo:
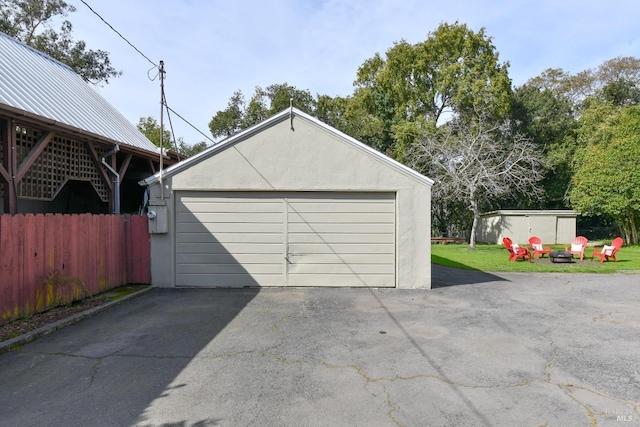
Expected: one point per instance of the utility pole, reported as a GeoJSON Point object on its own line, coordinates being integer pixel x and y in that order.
{"type": "Point", "coordinates": [161, 72]}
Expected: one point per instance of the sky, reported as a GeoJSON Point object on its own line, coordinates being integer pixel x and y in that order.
{"type": "Point", "coordinates": [212, 48]}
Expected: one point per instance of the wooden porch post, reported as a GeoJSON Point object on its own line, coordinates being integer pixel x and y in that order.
{"type": "Point", "coordinates": [9, 166]}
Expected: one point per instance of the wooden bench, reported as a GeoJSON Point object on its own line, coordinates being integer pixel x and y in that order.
{"type": "Point", "coordinates": [445, 240]}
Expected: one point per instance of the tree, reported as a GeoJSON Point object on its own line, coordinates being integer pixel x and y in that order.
{"type": "Point", "coordinates": [190, 150]}
{"type": "Point", "coordinates": [607, 177]}
{"type": "Point", "coordinates": [475, 161]}
{"type": "Point", "coordinates": [151, 129]}
{"type": "Point", "coordinates": [585, 84]}
{"type": "Point", "coordinates": [263, 104]}
{"type": "Point", "coordinates": [622, 92]}
{"type": "Point", "coordinates": [455, 71]}
{"type": "Point", "coordinates": [548, 109]}
{"type": "Point", "coordinates": [230, 120]}
{"type": "Point", "coordinates": [549, 120]}
{"type": "Point", "coordinates": [30, 22]}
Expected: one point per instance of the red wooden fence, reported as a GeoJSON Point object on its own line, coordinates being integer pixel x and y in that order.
{"type": "Point", "coordinates": [47, 260]}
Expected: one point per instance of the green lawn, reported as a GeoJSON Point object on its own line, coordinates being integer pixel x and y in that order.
{"type": "Point", "coordinates": [496, 258]}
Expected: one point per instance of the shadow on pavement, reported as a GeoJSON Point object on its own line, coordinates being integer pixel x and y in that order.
{"type": "Point", "coordinates": [442, 276]}
{"type": "Point", "coordinates": [108, 369]}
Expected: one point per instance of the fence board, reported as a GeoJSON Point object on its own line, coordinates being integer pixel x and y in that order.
{"type": "Point", "coordinates": [51, 259]}
{"type": "Point", "coordinates": [139, 252]}
{"type": "Point", "coordinates": [34, 258]}
{"type": "Point", "coordinates": [11, 247]}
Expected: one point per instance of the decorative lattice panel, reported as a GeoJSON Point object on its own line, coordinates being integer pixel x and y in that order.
{"type": "Point", "coordinates": [63, 159]}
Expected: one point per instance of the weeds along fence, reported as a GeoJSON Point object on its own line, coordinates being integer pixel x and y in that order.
{"type": "Point", "coordinates": [49, 260]}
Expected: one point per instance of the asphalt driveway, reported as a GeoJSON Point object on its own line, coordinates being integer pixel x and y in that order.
{"type": "Point", "coordinates": [481, 349]}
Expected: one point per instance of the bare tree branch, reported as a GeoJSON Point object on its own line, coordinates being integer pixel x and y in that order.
{"type": "Point", "coordinates": [479, 160]}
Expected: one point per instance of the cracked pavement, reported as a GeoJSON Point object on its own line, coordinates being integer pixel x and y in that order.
{"type": "Point", "coordinates": [481, 350]}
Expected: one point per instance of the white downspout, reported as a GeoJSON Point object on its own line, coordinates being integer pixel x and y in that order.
{"type": "Point", "coordinates": [116, 187]}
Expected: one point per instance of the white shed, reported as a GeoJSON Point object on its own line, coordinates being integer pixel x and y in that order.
{"type": "Point", "coordinates": [552, 226]}
{"type": "Point", "coordinates": [290, 202]}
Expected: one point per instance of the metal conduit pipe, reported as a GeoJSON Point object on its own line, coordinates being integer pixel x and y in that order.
{"type": "Point", "coordinates": [116, 187]}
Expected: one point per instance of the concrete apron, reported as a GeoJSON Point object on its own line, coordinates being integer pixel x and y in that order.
{"type": "Point", "coordinates": [513, 349]}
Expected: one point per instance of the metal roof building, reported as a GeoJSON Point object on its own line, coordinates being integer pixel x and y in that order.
{"type": "Point", "coordinates": [34, 85]}
{"type": "Point", "coordinates": [63, 147]}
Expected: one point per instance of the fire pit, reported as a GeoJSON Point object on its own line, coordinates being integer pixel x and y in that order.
{"type": "Point", "coordinates": [560, 256]}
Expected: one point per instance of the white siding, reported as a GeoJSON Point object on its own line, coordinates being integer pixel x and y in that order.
{"type": "Point", "coordinates": [279, 239]}
{"type": "Point", "coordinates": [341, 239]}
{"type": "Point", "coordinates": [228, 240]}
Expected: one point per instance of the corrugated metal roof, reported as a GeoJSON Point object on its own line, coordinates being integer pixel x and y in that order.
{"type": "Point", "coordinates": [38, 84]}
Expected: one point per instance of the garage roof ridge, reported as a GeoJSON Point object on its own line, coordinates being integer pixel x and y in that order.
{"type": "Point", "coordinates": [277, 118]}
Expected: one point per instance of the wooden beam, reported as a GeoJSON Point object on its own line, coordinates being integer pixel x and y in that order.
{"type": "Point", "coordinates": [4, 137]}
{"type": "Point", "coordinates": [91, 149]}
{"type": "Point", "coordinates": [35, 151]}
{"type": "Point", "coordinates": [4, 175]}
{"type": "Point", "coordinates": [124, 166]}
{"type": "Point", "coordinates": [152, 167]}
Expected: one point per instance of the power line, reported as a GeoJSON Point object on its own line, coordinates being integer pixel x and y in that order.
{"type": "Point", "coordinates": [118, 33]}
{"type": "Point", "coordinates": [187, 122]}
{"type": "Point", "coordinates": [164, 99]}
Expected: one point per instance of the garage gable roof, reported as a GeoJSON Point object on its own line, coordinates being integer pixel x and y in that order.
{"type": "Point", "coordinates": [288, 114]}
{"type": "Point", "coordinates": [35, 85]}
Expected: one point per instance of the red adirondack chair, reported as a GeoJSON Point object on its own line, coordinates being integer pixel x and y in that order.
{"type": "Point", "coordinates": [577, 247]}
{"type": "Point", "coordinates": [516, 251]}
{"type": "Point", "coordinates": [608, 251]}
{"type": "Point", "coordinates": [535, 244]}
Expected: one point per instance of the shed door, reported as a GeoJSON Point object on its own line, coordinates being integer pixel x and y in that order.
{"type": "Point", "coordinates": [279, 239]}
{"type": "Point", "coordinates": [544, 227]}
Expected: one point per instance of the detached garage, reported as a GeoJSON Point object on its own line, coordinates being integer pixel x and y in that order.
{"type": "Point", "coordinates": [290, 202]}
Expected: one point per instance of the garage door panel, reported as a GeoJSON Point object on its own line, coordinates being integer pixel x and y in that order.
{"type": "Point", "coordinates": [340, 218]}
{"type": "Point", "coordinates": [231, 218]}
{"type": "Point", "coordinates": [340, 248]}
{"type": "Point", "coordinates": [230, 238]}
{"type": "Point", "coordinates": [338, 238]}
{"type": "Point", "coordinates": [227, 258]}
{"type": "Point", "coordinates": [325, 230]}
{"type": "Point", "coordinates": [353, 228]}
{"type": "Point", "coordinates": [335, 206]}
{"type": "Point", "coordinates": [197, 227]}
{"type": "Point", "coordinates": [354, 280]}
{"type": "Point", "coordinates": [337, 197]}
{"type": "Point", "coordinates": [228, 280]}
{"type": "Point", "coordinates": [234, 268]}
{"type": "Point", "coordinates": [228, 218]}
{"type": "Point", "coordinates": [199, 197]}
{"type": "Point", "coordinates": [241, 239]}
{"type": "Point", "coordinates": [229, 248]}
{"type": "Point", "coordinates": [336, 268]}
{"type": "Point", "coordinates": [221, 205]}
{"type": "Point", "coordinates": [333, 258]}
{"type": "Point", "coordinates": [224, 218]}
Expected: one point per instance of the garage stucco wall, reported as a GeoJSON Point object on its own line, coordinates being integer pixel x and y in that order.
{"type": "Point", "coordinates": [299, 155]}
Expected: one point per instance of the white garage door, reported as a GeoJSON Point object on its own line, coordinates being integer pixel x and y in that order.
{"type": "Point", "coordinates": [280, 239]}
